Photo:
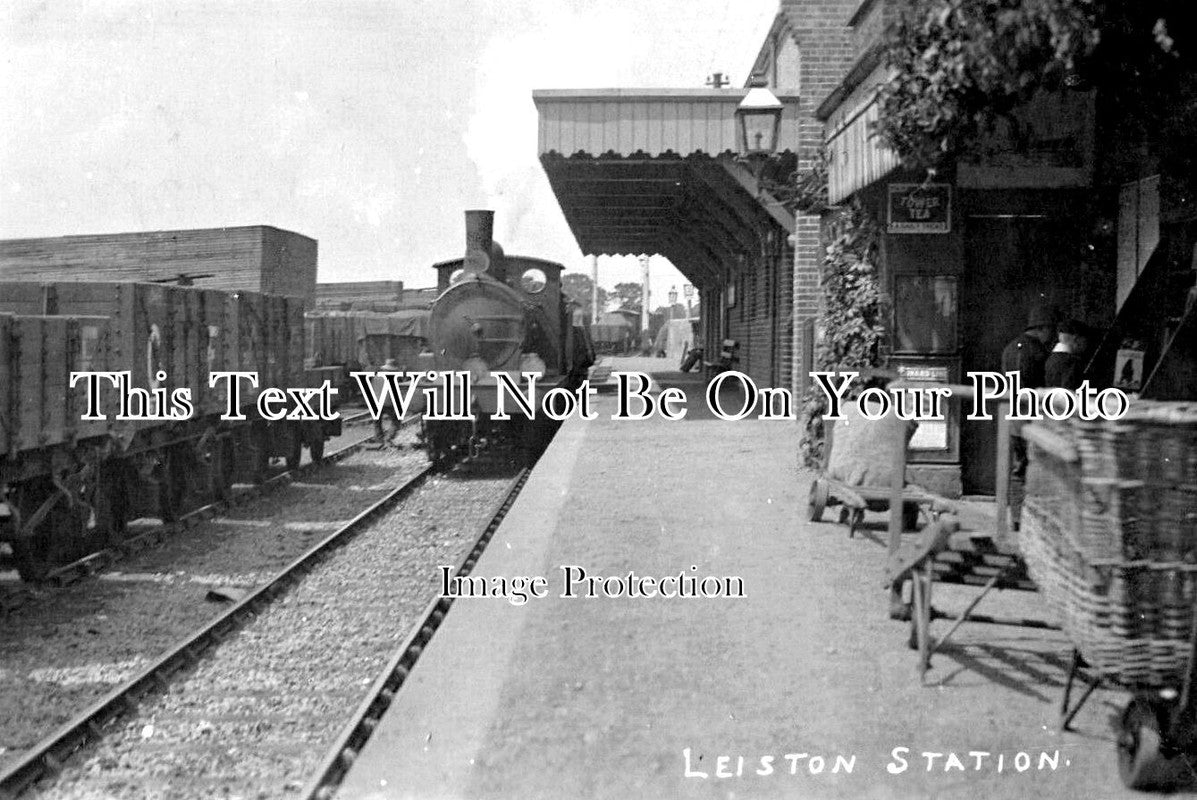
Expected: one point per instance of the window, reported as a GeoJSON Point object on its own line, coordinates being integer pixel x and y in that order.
{"type": "Point", "coordinates": [533, 280]}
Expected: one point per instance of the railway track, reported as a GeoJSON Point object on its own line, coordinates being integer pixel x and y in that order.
{"type": "Point", "coordinates": [74, 644]}
{"type": "Point", "coordinates": [328, 776]}
{"type": "Point", "coordinates": [198, 699]}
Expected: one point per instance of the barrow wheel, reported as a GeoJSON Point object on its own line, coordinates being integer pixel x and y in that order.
{"type": "Point", "coordinates": [855, 520]}
{"type": "Point", "coordinates": [1142, 761]}
{"type": "Point", "coordinates": [818, 499]}
{"type": "Point", "coordinates": [910, 516]}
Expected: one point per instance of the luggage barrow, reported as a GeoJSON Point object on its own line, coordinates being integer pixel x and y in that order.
{"type": "Point", "coordinates": [855, 500]}
{"type": "Point", "coordinates": [1157, 729]}
{"type": "Point", "coordinates": [983, 557]}
{"type": "Point", "coordinates": [947, 554]}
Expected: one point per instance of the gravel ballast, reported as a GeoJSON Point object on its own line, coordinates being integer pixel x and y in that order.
{"type": "Point", "coordinates": [259, 711]}
{"type": "Point", "coordinates": [67, 647]}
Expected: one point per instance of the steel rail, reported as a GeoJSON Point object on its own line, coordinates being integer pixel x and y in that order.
{"type": "Point", "coordinates": [48, 756]}
{"type": "Point", "coordinates": [353, 737]}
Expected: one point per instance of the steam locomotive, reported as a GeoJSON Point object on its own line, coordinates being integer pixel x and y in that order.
{"type": "Point", "coordinates": [500, 313]}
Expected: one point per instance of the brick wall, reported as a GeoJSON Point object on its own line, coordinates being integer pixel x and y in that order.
{"type": "Point", "coordinates": [778, 292]}
{"type": "Point", "coordinates": [871, 26]}
{"type": "Point", "coordinates": [761, 319]}
{"type": "Point", "coordinates": [819, 27]}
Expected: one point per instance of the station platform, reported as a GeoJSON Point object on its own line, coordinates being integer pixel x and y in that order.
{"type": "Point", "coordinates": [800, 688]}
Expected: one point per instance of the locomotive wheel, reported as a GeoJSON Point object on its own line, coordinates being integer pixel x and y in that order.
{"type": "Point", "coordinates": [440, 438]}
{"type": "Point", "coordinates": [1142, 762]}
{"type": "Point", "coordinates": [818, 500]}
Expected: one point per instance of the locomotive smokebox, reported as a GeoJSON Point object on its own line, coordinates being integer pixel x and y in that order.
{"type": "Point", "coordinates": [482, 253]}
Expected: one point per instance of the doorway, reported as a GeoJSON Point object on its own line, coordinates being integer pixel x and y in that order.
{"type": "Point", "coordinates": [1011, 263]}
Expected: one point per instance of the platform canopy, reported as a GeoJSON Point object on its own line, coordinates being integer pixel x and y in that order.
{"type": "Point", "coordinates": [644, 171]}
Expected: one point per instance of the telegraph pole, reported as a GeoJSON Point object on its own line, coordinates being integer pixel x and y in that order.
{"type": "Point", "coordinates": [644, 300]}
{"type": "Point", "coordinates": [594, 289]}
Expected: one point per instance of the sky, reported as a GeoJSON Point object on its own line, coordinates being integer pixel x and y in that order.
{"type": "Point", "coordinates": [368, 126]}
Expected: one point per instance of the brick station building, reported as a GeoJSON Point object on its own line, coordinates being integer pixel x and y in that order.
{"type": "Point", "coordinates": [1059, 204]}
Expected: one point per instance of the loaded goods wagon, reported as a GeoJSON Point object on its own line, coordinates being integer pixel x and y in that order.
{"type": "Point", "coordinates": [358, 294]}
{"type": "Point", "coordinates": [365, 339]}
{"type": "Point", "coordinates": [255, 258]}
{"type": "Point", "coordinates": [68, 485]}
{"type": "Point", "coordinates": [37, 354]}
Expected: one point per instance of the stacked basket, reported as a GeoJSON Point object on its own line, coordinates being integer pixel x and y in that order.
{"type": "Point", "coordinates": [1109, 532]}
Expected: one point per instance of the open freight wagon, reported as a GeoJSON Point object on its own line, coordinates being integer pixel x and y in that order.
{"type": "Point", "coordinates": [364, 340]}
{"type": "Point", "coordinates": [68, 486]}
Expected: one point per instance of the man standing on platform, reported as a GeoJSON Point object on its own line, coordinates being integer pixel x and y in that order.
{"type": "Point", "coordinates": [1026, 354]}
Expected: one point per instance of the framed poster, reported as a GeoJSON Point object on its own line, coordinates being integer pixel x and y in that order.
{"type": "Point", "coordinates": [925, 313]}
{"type": "Point", "coordinates": [1128, 370]}
{"type": "Point", "coordinates": [919, 208]}
{"type": "Point", "coordinates": [934, 441]}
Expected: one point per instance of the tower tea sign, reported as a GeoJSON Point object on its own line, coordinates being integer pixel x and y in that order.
{"type": "Point", "coordinates": [920, 208]}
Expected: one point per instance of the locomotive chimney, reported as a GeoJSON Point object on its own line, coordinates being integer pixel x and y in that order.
{"type": "Point", "coordinates": [480, 226]}
{"type": "Point", "coordinates": [482, 254]}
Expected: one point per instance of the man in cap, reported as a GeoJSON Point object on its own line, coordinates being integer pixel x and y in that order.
{"type": "Point", "coordinates": [1026, 354]}
{"type": "Point", "coordinates": [1065, 365]}
{"type": "Point", "coordinates": [387, 410]}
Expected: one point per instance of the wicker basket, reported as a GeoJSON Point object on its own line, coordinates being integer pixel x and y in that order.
{"type": "Point", "coordinates": [1109, 532]}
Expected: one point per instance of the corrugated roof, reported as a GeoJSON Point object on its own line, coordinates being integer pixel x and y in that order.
{"type": "Point", "coordinates": [647, 121]}
{"type": "Point", "coordinates": [643, 171]}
